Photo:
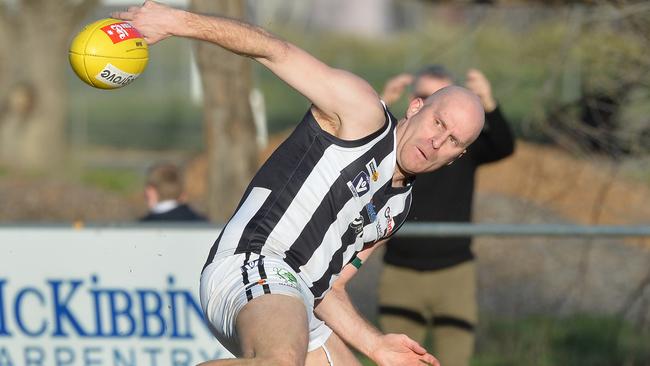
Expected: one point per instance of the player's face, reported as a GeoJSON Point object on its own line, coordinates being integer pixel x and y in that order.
{"type": "Point", "coordinates": [434, 136]}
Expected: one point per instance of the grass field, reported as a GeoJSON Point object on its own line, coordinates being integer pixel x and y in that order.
{"type": "Point", "coordinates": [545, 341]}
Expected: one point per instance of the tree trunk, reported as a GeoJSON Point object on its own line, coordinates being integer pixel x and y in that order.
{"type": "Point", "coordinates": [229, 130]}
{"type": "Point", "coordinates": [35, 36]}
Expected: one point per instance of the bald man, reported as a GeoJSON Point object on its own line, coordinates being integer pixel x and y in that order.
{"type": "Point", "coordinates": [273, 286]}
{"type": "Point", "coordinates": [441, 268]}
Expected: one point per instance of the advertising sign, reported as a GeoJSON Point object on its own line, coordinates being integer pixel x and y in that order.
{"type": "Point", "coordinates": [103, 297]}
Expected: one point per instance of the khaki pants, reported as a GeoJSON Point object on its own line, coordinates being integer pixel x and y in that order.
{"type": "Point", "coordinates": [411, 301]}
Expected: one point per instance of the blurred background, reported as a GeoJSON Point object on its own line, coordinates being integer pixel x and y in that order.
{"type": "Point", "coordinates": [573, 77]}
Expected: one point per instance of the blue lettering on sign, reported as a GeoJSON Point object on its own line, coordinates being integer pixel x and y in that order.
{"type": "Point", "coordinates": [5, 358]}
{"type": "Point", "coordinates": [62, 310]}
{"type": "Point", "coordinates": [153, 312]}
{"type": "Point", "coordinates": [95, 293]}
{"type": "Point", "coordinates": [121, 360]}
{"type": "Point", "coordinates": [121, 313]}
{"type": "Point", "coordinates": [17, 311]}
{"type": "Point", "coordinates": [55, 311]}
{"type": "Point", "coordinates": [153, 352]}
{"type": "Point", "coordinates": [181, 357]}
{"type": "Point", "coordinates": [92, 356]}
{"type": "Point", "coordinates": [3, 325]}
{"type": "Point", "coordinates": [31, 355]}
{"type": "Point", "coordinates": [64, 356]}
{"type": "Point", "coordinates": [34, 356]}
{"type": "Point", "coordinates": [361, 183]}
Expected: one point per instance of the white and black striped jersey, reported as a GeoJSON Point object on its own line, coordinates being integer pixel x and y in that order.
{"type": "Point", "coordinates": [317, 201]}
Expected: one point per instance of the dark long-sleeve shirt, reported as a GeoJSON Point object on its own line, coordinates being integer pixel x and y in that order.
{"type": "Point", "coordinates": [182, 212]}
{"type": "Point", "coordinates": [446, 195]}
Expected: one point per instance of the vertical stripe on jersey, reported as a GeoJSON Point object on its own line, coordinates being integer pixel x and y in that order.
{"type": "Point", "coordinates": [317, 224]}
{"type": "Point", "coordinates": [255, 235]}
{"type": "Point", "coordinates": [313, 191]}
{"type": "Point", "coordinates": [244, 275]}
{"type": "Point", "coordinates": [399, 202]}
{"type": "Point", "coordinates": [231, 234]}
{"type": "Point", "coordinates": [263, 277]}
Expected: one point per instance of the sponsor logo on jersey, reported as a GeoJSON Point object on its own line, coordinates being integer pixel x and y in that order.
{"type": "Point", "coordinates": [361, 184]}
{"type": "Point", "coordinates": [385, 227]}
{"type": "Point", "coordinates": [372, 212]}
{"type": "Point", "coordinates": [250, 265]}
{"type": "Point", "coordinates": [372, 170]}
{"type": "Point", "coordinates": [112, 75]}
{"type": "Point", "coordinates": [390, 223]}
{"type": "Point", "coordinates": [120, 32]}
{"type": "Point", "coordinates": [357, 225]}
{"type": "Point", "coordinates": [287, 277]}
{"type": "Point", "coordinates": [351, 188]}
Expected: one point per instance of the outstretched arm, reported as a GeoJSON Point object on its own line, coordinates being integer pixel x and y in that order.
{"type": "Point", "coordinates": [348, 102]}
{"type": "Point", "coordinates": [339, 313]}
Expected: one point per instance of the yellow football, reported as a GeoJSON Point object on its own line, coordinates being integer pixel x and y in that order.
{"type": "Point", "coordinates": [108, 54]}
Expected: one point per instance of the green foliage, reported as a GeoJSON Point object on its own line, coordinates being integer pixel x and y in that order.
{"type": "Point", "coordinates": [146, 122]}
{"type": "Point", "coordinates": [578, 340]}
{"type": "Point", "coordinates": [116, 180]}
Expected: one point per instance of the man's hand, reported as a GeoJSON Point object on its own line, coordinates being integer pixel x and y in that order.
{"type": "Point", "coordinates": [153, 20]}
{"type": "Point", "coordinates": [395, 87]}
{"type": "Point", "coordinates": [479, 84]}
{"type": "Point", "coordinates": [400, 350]}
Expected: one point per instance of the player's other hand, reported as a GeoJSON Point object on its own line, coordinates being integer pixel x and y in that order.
{"type": "Point", "coordinates": [479, 84]}
{"type": "Point", "coordinates": [400, 350]}
{"type": "Point", "coordinates": [153, 20]}
{"type": "Point", "coordinates": [395, 87]}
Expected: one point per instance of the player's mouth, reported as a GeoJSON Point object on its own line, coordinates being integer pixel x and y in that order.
{"type": "Point", "coordinates": [422, 153]}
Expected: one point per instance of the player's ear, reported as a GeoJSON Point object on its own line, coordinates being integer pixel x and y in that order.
{"type": "Point", "coordinates": [151, 194]}
{"type": "Point", "coordinates": [414, 107]}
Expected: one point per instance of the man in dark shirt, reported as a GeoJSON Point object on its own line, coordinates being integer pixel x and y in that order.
{"type": "Point", "coordinates": [163, 192]}
{"type": "Point", "coordinates": [442, 270]}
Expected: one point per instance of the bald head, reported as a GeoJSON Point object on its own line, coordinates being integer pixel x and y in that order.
{"type": "Point", "coordinates": [463, 104]}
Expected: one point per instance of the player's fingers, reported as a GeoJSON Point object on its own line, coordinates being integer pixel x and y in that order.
{"type": "Point", "coordinates": [415, 346]}
{"type": "Point", "coordinates": [429, 360]}
{"type": "Point", "coordinates": [123, 15]}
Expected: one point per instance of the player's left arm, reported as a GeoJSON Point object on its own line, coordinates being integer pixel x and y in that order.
{"type": "Point", "coordinates": [338, 312]}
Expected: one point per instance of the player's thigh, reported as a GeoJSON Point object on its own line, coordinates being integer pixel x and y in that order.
{"type": "Point", "coordinates": [274, 327]}
{"type": "Point", "coordinates": [334, 352]}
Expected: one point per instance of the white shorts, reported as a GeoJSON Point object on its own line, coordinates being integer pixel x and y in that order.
{"type": "Point", "coordinates": [229, 283]}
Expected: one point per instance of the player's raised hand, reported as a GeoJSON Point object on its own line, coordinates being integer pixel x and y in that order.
{"type": "Point", "coordinates": [400, 350]}
{"type": "Point", "coordinates": [480, 85]}
{"type": "Point", "coordinates": [395, 87]}
{"type": "Point", "coordinates": [153, 20]}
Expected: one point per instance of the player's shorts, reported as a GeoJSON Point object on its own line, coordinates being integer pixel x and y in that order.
{"type": "Point", "coordinates": [231, 282]}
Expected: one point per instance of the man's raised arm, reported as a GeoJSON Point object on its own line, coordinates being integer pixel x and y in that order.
{"type": "Point", "coordinates": [349, 103]}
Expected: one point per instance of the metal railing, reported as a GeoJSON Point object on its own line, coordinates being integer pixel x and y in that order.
{"type": "Point", "coordinates": [424, 230]}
